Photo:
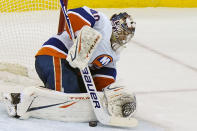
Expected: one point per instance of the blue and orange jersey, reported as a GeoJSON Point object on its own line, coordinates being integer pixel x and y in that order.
{"type": "Point", "coordinates": [102, 62]}
{"type": "Point", "coordinates": [57, 45]}
{"type": "Point", "coordinates": [80, 17]}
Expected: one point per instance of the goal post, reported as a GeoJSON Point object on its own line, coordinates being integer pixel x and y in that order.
{"type": "Point", "coordinates": [62, 19]}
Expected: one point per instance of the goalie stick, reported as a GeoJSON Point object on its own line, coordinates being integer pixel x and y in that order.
{"type": "Point", "coordinates": [102, 116]}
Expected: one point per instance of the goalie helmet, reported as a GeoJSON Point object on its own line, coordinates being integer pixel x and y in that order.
{"type": "Point", "coordinates": [123, 29]}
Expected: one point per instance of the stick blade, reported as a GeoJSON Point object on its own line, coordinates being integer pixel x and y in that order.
{"type": "Point", "coordinates": [123, 122]}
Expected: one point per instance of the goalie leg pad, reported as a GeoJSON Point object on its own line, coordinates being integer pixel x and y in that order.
{"type": "Point", "coordinates": [48, 104]}
{"type": "Point", "coordinates": [53, 105]}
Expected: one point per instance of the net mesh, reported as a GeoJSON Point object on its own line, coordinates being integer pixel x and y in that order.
{"type": "Point", "coordinates": [25, 26]}
{"type": "Point", "coordinates": [28, 5]}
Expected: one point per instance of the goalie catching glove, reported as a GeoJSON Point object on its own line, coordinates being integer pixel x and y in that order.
{"type": "Point", "coordinates": [120, 103]}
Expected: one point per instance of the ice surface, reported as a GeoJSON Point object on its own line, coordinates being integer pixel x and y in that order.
{"type": "Point", "coordinates": [160, 65]}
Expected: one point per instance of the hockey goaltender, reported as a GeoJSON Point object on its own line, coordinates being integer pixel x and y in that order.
{"type": "Point", "coordinates": [94, 41]}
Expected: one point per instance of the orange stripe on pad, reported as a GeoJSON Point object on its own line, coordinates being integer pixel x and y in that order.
{"type": "Point", "coordinates": [118, 89]}
{"type": "Point", "coordinates": [79, 44]}
{"type": "Point", "coordinates": [65, 106]}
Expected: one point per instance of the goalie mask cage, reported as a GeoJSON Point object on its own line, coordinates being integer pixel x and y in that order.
{"type": "Point", "coordinates": [24, 26]}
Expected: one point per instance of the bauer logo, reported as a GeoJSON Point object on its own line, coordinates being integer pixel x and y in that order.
{"type": "Point", "coordinates": [90, 87]}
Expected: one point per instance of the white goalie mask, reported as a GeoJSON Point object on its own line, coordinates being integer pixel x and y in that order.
{"type": "Point", "coordinates": [123, 29]}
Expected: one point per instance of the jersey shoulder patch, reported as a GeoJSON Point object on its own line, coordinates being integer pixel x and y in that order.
{"type": "Point", "coordinates": [102, 60]}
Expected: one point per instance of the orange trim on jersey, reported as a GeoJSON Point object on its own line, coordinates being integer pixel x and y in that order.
{"type": "Point", "coordinates": [51, 52]}
{"type": "Point", "coordinates": [98, 63]}
{"type": "Point", "coordinates": [102, 82]}
{"type": "Point", "coordinates": [77, 23]}
{"type": "Point", "coordinates": [57, 73]}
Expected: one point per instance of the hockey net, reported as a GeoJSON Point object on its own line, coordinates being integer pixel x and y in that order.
{"type": "Point", "coordinates": [25, 25]}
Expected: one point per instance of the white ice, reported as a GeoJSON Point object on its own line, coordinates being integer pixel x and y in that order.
{"type": "Point", "coordinates": [160, 65]}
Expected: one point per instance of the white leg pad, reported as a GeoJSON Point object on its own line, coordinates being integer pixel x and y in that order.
{"type": "Point", "coordinates": [53, 105]}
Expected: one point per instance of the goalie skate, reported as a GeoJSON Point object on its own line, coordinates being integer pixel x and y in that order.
{"type": "Point", "coordinates": [11, 100]}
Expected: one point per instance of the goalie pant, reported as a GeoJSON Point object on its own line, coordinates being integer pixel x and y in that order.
{"type": "Point", "coordinates": [57, 74]}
